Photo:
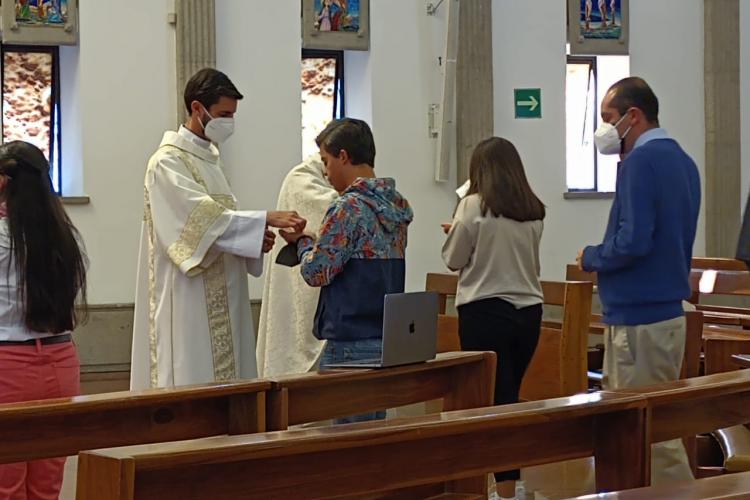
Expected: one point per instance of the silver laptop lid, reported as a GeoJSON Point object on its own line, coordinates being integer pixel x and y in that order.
{"type": "Point", "coordinates": [409, 327]}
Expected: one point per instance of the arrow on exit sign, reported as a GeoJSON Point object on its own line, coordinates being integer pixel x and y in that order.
{"type": "Point", "coordinates": [528, 103]}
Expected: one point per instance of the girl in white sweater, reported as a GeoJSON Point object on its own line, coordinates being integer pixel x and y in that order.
{"type": "Point", "coordinates": [494, 244]}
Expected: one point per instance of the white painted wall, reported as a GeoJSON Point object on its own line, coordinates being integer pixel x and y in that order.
{"type": "Point", "coordinates": [405, 81]}
{"type": "Point", "coordinates": [121, 106]}
{"type": "Point", "coordinates": [672, 63]}
{"type": "Point", "coordinates": [264, 64]}
{"type": "Point", "coordinates": [529, 51]}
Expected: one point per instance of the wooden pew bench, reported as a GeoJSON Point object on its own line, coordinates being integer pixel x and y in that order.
{"type": "Point", "coordinates": [696, 405]}
{"type": "Point", "coordinates": [359, 459]}
{"type": "Point", "coordinates": [65, 426]}
{"type": "Point", "coordinates": [730, 486]}
{"type": "Point", "coordinates": [733, 279]}
{"type": "Point", "coordinates": [559, 365]}
{"type": "Point", "coordinates": [462, 379]}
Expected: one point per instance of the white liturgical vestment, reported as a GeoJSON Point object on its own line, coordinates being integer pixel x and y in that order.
{"type": "Point", "coordinates": [285, 340]}
{"type": "Point", "coordinates": [192, 314]}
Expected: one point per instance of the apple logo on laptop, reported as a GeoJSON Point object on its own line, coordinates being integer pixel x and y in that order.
{"type": "Point", "coordinates": [412, 329]}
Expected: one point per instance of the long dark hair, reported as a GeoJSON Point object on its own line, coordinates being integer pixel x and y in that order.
{"type": "Point", "coordinates": [497, 175]}
{"type": "Point", "coordinates": [49, 263]}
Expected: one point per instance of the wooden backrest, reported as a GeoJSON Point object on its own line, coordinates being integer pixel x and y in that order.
{"type": "Point", "coordinates": [693, 344]}
{"type": "Point", "coordinates": [718, 264]}
{"type": "Point", "coordinates": [462, 379]}
{"type": "Point", "coordinates": [448, 340]}
{"type": "Point", "coordinates": [696, 405]}
{"type": "Point", "coordinates": [733, 277]}
{"type": "Point", "coordinates": [62, 427]}
{"type": "Point", "coordinates": [357, 459]}
{"type": "Point", "coordinates": [572, 273]}
{"type": "Point", "coordinates": [559, 366]}
{"type": "Point", "coordinates": [719, 344]}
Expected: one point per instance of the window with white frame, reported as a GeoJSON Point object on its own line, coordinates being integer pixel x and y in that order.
{"type": "Point", "coordinates": [587, 80]}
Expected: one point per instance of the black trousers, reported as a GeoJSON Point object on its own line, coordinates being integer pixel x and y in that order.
{"type": "Point", "coordinates": [513, 334]}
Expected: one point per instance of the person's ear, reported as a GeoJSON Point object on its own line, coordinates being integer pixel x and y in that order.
{"type": "Point", "coordinates": [196, 108]}
{"type": "Point", "coordinates": [344, 156]}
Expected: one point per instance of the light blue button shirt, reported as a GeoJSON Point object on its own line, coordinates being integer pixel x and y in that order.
{"type": "Point", "coordinates": [650, 135]}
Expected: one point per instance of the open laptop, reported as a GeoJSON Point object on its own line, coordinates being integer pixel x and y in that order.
{"type": "Point", "coordinates": [409, 331]}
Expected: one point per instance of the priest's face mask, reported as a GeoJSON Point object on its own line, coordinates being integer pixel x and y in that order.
{"type": "Point", "coordinates": [217, 121]}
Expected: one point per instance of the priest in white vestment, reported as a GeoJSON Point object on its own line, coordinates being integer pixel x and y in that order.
{"type": "Point", "coordinates": [285, 340]}
{"type": "Point", "coordinates": [192, 314]}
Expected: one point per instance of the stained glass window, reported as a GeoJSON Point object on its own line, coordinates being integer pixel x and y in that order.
{"type": "Point", "coordinates": [31, 100]}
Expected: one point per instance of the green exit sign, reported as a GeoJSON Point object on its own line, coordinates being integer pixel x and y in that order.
{"type": "Point", "coordinates": [528, 103]}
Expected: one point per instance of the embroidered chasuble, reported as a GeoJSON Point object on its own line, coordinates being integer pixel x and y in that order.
{"type": "Point", "coordinates": [192, 312]}
{"type": "Point", "coordinates": [285, 340]}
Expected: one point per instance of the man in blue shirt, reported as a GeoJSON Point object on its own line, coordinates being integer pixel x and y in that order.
{"type": "Point", "coordinates": [643, 264]}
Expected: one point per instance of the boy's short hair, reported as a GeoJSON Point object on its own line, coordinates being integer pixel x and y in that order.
{"type": "Point", "coordinates": [353, 136]}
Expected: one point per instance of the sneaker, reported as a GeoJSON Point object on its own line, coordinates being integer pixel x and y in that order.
{"type": "Point", "coordinates": [520, 490]}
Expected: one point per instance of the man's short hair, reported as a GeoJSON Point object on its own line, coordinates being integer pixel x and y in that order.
{"type": "Point", "coordinates": [351, 135]}
{"type": "Point", "coordinates": [207, 86]}
{"type": "Point", "coordinates": [634, 92]}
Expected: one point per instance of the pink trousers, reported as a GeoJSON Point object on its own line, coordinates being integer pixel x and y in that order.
{"type": "Point", "coordinates": [30, 372]}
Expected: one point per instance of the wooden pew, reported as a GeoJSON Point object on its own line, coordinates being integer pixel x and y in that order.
{"type": "Point", "coordinates": [719, 344]}
{"type": "Point", "coordinates": [696, 405]}
{"type": "Point", "coordinates": [733, 279]}
{"type": "Point", "coordinates": [731, 486]}
{"type": "Point", "coordinates": [559, 366]}
{"type": "Point", "coordinates": [741, 360]}
{"type": "Point", "coordinates": [63, 427]}
{"type": "Point", "coordinates": [356, 460]}
{"type": "Point", "coordinates": [462, 379]}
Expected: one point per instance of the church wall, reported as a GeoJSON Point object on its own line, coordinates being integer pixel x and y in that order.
{"type": "Point", "coordinates": [122, 103]}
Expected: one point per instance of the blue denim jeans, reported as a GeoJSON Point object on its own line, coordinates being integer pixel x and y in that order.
{"type": "Point", "coordinates": [340, 351]}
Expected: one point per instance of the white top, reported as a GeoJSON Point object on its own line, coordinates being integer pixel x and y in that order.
{"type": "Point", "coordinates": [12, 325]}
{"type": "Point", "coordinates": [496, 257]}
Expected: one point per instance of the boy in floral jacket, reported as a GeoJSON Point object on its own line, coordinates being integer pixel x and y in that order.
{"type": "Point", "coordinates": [359, 254]}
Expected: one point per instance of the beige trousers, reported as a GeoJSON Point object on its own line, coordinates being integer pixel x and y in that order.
{"type": "Point", "coordinates": [643, 355]}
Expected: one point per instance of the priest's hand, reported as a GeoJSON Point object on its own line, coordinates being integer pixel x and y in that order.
{"type": "Point", "coordinates": [293, 236]}
{"type": "Point", "coordinates": [446, 227]}
{"type": "Point", "coordinates": [290, 220]}
{"type": "Point", "coordinates": [269, 238]}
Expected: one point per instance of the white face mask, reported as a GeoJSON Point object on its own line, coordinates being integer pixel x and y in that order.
{"type": "Point", "coordinates": [607, 139]}
{"type": "Point", "coordinates": [218, 130]}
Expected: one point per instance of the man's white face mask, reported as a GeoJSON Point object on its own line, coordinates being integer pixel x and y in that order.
{"type": "Point", "coordinates": [218, 130]}
{"type": "Point", "coordinates": [607, 139]}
